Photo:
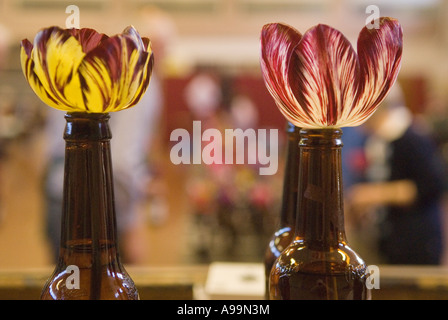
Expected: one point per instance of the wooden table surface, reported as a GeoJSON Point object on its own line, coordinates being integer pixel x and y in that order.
{"type": "Point", "coordinates": [182, 282]}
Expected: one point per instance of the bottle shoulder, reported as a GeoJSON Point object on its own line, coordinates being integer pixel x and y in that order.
{"type": "Point", "coordinates": [75, 283]}
{"type": "Point", "coordinates": [299, 256]}
{"type": "Point", "coordinates": [278, 242]}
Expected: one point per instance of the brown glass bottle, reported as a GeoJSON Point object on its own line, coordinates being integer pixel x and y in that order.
{"type": "Point", "coordinates": [89, 266]}
{"type": "Point", "coordinates": [284, 234]}
{"type": "Point", "coordinates": [319, 264]}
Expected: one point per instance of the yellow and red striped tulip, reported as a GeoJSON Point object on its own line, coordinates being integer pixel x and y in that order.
{"type": "Point", "coordinates": [81, 70]}
{"type": "Point", "coordinates": [318, 80]}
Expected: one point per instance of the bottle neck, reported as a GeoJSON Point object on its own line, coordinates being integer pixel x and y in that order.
{"type": "Point", "coordinates": [290, 182]}
{"type": "Point", "coordinates": [320, 223]}
{"type": "Point", "coordinates": [88, 201]}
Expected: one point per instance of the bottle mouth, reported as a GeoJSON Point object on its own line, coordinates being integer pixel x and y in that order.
{"type": "Point", "coordinates": [83, 126]}
{"type": "Point", "coordinates": [86, 115]}
{"type": "Point", "coordinates": [327, 137]}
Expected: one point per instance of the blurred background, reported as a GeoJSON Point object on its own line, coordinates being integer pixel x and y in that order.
{"type": "Point", "coordinates": [207, 68]}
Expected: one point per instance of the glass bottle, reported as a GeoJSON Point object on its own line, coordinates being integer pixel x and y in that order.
{"type": "Point", "coordinates": [89, 266]}
{"type": "Point", "coordinates": [319, 264]}
{"type": "Point", "coordinates": [284, 234]}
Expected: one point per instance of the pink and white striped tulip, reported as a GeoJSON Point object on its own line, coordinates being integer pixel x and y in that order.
{"type": "Point", "coordinates": [318, 80]}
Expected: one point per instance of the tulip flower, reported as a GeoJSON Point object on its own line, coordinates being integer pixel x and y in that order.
{"type": "Point", "coordinates": [81, 70]}
{"type": "Point", "coordinates": [318, 80]}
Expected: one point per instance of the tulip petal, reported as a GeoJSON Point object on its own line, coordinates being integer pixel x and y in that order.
{"type": "Point", "coordinates": [278, 42]}
{"type": "Point", "coordinates": [144, 82]}
{"type": "Point", "coordinates": [146, 59]}
{"type": "Point", "coordinates": [88, 38]}
{"type": "Point", "coordinates": [112, 74]}
{"type": "Point", "coordinates": [27, 47]}
{"type": "Point", "coordinates": [57, 56]}
{"type": "Point", "coordinates": [28, 70]}
{"type": "Point", "coordinates": [323, 76]}
{"type": "Point", "coordinates": [379, 52]}
{"type": "Point", "coordinates": [131, 33]}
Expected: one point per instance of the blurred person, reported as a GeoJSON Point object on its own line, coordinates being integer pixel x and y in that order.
{"type": "Point", "coordinates": [405, 184]}
{"type": "Point", "coordinates": [437, 117]}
